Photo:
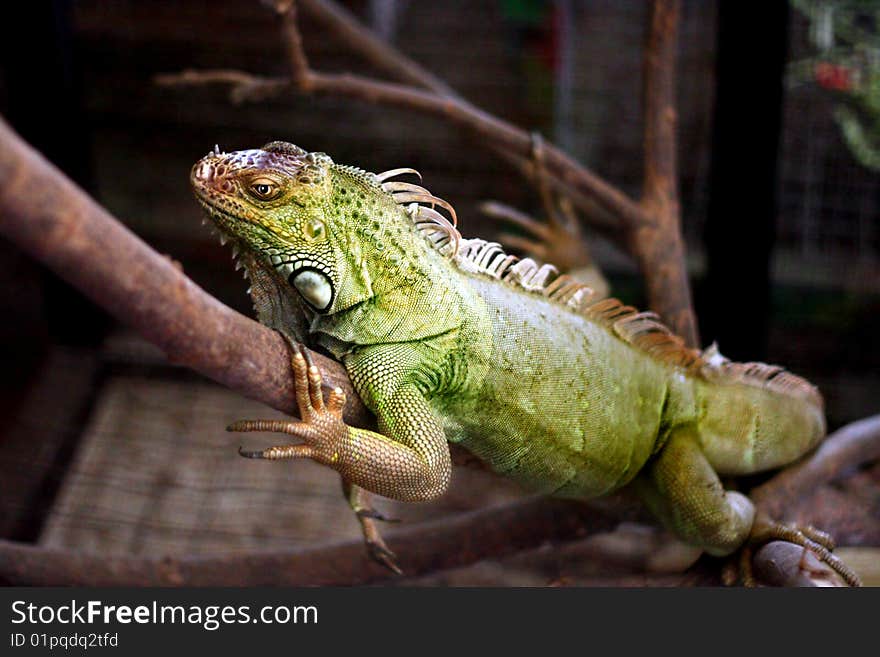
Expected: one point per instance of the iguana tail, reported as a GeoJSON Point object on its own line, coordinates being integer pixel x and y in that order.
{"type": "Point", "coordinates": [755, 416]}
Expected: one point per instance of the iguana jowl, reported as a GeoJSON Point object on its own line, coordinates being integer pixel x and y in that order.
{"type": "Point", "coordinates": [449, 339]}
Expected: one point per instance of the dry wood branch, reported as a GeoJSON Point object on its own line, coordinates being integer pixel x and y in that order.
{"type": "Point", "coordinates": [458, 112]}
{"type": "Point", "coordinates": [428, 547]}
{"type": "Point", "coordinates": [500, 134]}
{"type": "Point", "coordinates": [658, 243]}
{"type": "Point", "coordinates": [244, 87]}
{"type": "Point", "coordinates": [362, 41]}
{"type": "Point", "coordinates": [79, 240]}
{"type": "Point", "coordinates": [365, 43]}
{"type": "Point", "coordinates": [848, 447]}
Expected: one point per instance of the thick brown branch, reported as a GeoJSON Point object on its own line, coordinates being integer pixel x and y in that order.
{"type": "Point", "coordinates": [81, 242]}
{"type": "Point", "coordinates": [846, 448]}
{"type": "Point", "coordinates": [429, 547]}
{"type": "Point", "coordinates": [657, 240]}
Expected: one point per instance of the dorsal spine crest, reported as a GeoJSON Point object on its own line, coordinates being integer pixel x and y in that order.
{"type": "Point", "coordinates": [643, 330]}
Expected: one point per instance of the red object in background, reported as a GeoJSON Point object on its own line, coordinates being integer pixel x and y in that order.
{"type": "Point", "coordinates": [833, 76]}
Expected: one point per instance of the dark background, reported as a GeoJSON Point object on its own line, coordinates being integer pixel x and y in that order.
{"type": "Point", "coordinates": [780, 220]}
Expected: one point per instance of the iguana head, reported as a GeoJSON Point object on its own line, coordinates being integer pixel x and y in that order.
{"type": "Point", "coordinates": [319, 238]}
{"type": "Point", "coordinates": [275, 203]}
{"type": "Point", "coordinates": [333, 233]}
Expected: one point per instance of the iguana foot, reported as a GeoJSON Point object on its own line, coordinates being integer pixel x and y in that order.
{"type": "Point", "coordinates": [368, 517]}
{"type": "Point", "coordinates": [377, 548]}
{"type": "Point", "coordinates": [321, 427]}
{"type": "Point", "coordinates": [814, 542]}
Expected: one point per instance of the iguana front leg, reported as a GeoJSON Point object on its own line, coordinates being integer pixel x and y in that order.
{"type": "Point", "coordinates": [411, 463]}
{"type": "Point", "coordinates": [682, 489]}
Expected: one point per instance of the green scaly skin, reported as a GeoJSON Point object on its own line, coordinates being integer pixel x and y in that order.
{"type": "Point", "coordinates": [440, 350]}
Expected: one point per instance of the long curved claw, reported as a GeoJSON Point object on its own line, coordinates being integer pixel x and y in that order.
{"type": "Point", "coordinates": [380, 552]}
{"type": "Point", "coordinates": [811, 539]}
{"type": "Point", "coordinates": [360, 501]}
{"type": "Point", "coordinates": [257, 454]}
{"type": "Point", "coordinates": [372, 513]}
{"type": "Point", "coordinates": [279, 452]}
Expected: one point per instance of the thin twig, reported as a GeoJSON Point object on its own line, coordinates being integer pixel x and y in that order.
{"type": "Point", "coordinates": [359, 39]}
{"type": "Point", "coordinates": [244, 87]}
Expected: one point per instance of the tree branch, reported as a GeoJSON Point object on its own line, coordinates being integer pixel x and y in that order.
{"type": "Point", "coordinates": [432, 99]}
{"type": "Point", "coordinates": [658, 242]}
{"type": "Point", "coordinates": [80, 241]}
{"type": "Point", "coordinates": [244, 87]}
{"type": "Point", "coordinates": [847, 448]}
{"type": "Point", "coordinates": [427, 547]}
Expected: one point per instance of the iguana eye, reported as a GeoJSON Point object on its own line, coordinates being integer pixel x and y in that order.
{"type": "Point", "coordinates": [264, 189]}
{"type": "Point", "coordinates": [315, 231]}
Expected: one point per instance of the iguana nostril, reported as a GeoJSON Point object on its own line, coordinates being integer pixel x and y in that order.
{"type": "Point", "coordinates": [203, 172]}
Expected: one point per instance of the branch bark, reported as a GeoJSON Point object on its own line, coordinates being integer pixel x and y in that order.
{"type": "Point", "coordinates": [51, 219]}
{"type": "Point", "coordinates": [657, 241]}
{"type": "Point", "coordinates": [845, 449]}
{"type": "Point", "coordinates": [428, 547]}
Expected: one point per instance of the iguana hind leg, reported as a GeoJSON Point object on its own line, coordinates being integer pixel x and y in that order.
{"type": "Point", "coordinates": [765, 530]}
{"type": "Point", "coordinates": [682, 489]}
{"type": "Point", "coordinates": [368, 517]}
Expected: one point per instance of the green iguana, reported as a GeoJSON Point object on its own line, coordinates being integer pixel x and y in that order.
{"type": "Point", "coordinates": [451, 339]}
